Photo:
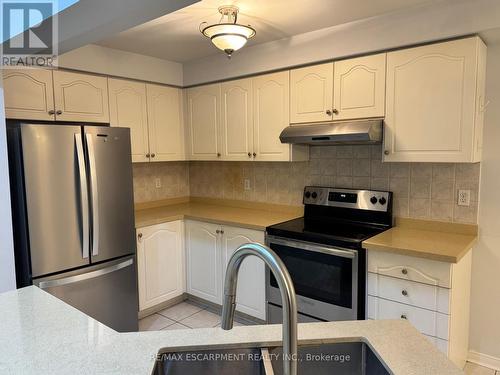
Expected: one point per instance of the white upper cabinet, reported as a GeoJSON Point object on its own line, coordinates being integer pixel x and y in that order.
{"type": "Point", "coordinates": [160, 263]}
{"type": "Point", "coordinates": [311, 90]}
{"type": "Point", "coordinates": [80, 97]}
{"type": "Point", "coordinates": [237, 120]}
{"type": "Point", "coordinates": [28, 94]}
{"type": "Point", "coordinates": [271, 116]}
{"type": "Point", "coordinates": [165, 120]}
{"type": "Point", "coordinates": [359, 88]}
{"type": "Point", "coordinates": [435, 102]}
{"type": "Point", "coordinates": [203, 122]}
{"type": "Point", "coordinates": [127, 109]}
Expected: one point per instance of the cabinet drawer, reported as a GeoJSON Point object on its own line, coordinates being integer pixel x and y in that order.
{"type": "Point", "coordinates": [428, 322]}
{"type": "Point", "coordinates": [410, 268]}
{"type": "Point", "coordinates": [441, 344]}
{"type": "Point", "coordinates": [409, 292]}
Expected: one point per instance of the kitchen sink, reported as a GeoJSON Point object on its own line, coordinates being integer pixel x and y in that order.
{"type": "Point", "coordinates": [351, 358]}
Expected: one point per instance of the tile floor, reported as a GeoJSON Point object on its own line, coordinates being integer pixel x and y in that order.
{"type": "Point", "coordinates": [186, 315]}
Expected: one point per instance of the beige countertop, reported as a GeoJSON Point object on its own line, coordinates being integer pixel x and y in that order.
{"type": "Point", "coordinates": [248, 215]}
{"type": "Point", "coordinates": [446, 242]}
{"type": "Point", "coordinates": [40, 334]}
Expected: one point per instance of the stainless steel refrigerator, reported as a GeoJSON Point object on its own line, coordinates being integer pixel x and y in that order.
{"type": "Point", "coordinates": [73, 215]}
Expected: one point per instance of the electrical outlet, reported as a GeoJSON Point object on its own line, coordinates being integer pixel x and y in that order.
{"type": "Point", "coordinates": [247, 184]}
{"type": "Point", "coordinates": [464, 198]}
{"type": "Point", "coordinates": [158, 183]}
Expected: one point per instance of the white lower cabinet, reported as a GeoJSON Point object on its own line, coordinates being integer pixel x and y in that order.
{"type": "Point", "coordinates": [160, 263]}
{"type": "Point", "coordinates": [251, 291]}
{"type": "Point", "coordinates": [208, 248]}
{"type": "Point", "coordinates": [433, 296]}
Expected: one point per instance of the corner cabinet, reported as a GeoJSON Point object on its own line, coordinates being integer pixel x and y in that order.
{"type": "Point", "coordinates": [435, 102]}
{"type": "Point", "coordinates": [341, 90]}
{"type": "Point", "coordinates": [209, 248]}
{"type": "Point", "coordinates": [203, 122]}
{"type": "Point", "coordinates": [160, 263]}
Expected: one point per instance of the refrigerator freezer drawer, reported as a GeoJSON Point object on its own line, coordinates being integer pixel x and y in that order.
{"type": "Point", "coordinates": [107, 292]}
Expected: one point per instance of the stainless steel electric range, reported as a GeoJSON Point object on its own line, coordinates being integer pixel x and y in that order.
{"type": "Point", "coordinates": [324, 255]}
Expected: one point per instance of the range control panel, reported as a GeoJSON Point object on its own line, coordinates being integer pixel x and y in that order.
{"type": "Point", "coordinates": [348, 198]}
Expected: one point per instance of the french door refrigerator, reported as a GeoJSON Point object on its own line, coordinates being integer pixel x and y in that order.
{"type": "Point", "coordinates": [73, 215]}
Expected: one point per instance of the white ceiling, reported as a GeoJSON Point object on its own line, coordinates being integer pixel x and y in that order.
{"type": "Point", "coordinates": [176, 36]}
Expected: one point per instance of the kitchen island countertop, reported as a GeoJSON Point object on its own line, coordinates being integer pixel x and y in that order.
{"type": "Point", "coordinates": [39, 334]}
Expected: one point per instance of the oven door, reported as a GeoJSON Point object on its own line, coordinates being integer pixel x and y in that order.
{"type": "Point", "coordinates": [325, 278]}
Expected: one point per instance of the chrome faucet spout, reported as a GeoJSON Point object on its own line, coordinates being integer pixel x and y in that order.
{"type": "Point", "coordinates": [287, 291]}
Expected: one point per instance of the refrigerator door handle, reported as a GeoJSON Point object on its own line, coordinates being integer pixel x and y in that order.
{"type": "Point", "coordinates": [85, 276]}
{"type": "Point", "coordinates": [94, 194]}
{"type": "Point", "coordinates": [84, 198]}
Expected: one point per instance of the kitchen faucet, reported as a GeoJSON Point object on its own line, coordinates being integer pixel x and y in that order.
{"type": "Point", "coordinates": [287, 297]}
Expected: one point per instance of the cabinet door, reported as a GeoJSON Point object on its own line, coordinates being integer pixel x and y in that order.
{"type": "Point", "coordinates": [204, 277]}
{"type": "Point", "coordinates": [127, 109]}
{"type": "Point", "coordinates": [203, 112]}
{"type": "Point", "coordinates": [359, 88]}
{"type": "Point", "coordinates": [271, 114]}
{"type": "Point", "coordinates": [28, 94]}
{"type": "Point", "coordinates": [431, 102]}
{"type": "Point", "coordinates": [237, 120]}
{"type": "Point", "coordinates": [251, 290]}
{"type": "Point", "coordinates": [311, 90]}
{"type": "Point", "coordinates": [160, 262]}
{"type": "Point", "coordinates": [80, 97]}
{"type": "Point", "coordinates": [166, 129]}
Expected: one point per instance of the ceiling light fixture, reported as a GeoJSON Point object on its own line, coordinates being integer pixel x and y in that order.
{"type": "Point", "coordinates": [227, 35]}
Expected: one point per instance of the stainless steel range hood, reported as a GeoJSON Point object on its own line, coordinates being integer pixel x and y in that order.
{"type": "Point", "coordinates": [332, 133]}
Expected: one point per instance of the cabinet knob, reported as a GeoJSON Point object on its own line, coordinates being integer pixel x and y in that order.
{"type": "Point", "coordinates": [222, 231]}
{"type": "Point", "coordinates": [403, 316]}
{"type": "Point", "coordinates": [335, 111]}
{"type": "Point", "coordinates": [386, 152]}
{"type": "Point", "coordinates": [148, 155]}
{"type": "Point", "coordinates": [254, 154]}
{"type": "Point", "coordinates": [58, 112]}
{"type": "Point", "coordinates": [217, 231]}
{"type": "Point", "coordinates": [218, 154]}
{"type": "Point", "coordinates": [153, 155]}
{"type": "Point", "coordinates": [139, 235]}
{"type": "Point", "coordinates": [404, 292]}
{"type": "Point", "coordinates": [52, 112]}
{"type": "Point", "coordinates": [328, 112]}
{"type": "Point", "coordinates": [404, 271]}
{"type": "Point", "coordinates": [249, 154]}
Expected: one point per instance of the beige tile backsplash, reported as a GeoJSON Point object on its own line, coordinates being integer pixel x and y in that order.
{"type": "Point", "coordinates": [421, 190]}
{"type": "Point", "coordinates": [173, 176]}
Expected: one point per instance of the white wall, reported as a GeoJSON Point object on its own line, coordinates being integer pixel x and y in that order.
{"type": "Point", "coordinates": [439, 20]}
{"type": "Point", "coordinates": [485, 295]}
{"type": "Point", "coordinates": [7, 273]}
{"type": "Point", "coordinates": [97, 59]}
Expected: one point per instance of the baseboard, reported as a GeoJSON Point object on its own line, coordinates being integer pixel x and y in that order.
{"type": "Point", "coordinates": [161, 306]}
{"type": "Point", "coordinates": [484, 360]}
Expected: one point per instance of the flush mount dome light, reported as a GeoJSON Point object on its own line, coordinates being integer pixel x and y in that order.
{"type": "Point", "coordinates": [227, 35]}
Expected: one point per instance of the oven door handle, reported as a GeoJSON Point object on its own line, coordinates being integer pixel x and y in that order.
{"type": "Point", "coordinates": [343, 253]}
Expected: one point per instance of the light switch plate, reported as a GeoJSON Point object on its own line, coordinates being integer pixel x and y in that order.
{"type": "Point", "coordinates": [247, 184]}
{"type": "Point", "coordinates": [463, 198]}
{"type": "Point", "coordinates": [158, 183]}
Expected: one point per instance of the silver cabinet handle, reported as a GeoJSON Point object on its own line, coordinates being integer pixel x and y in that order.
{"type": "Point", "coordinates": [94, 194]}
{"type": "Point", "coordinates": [52, 112]}
{"type": "Point", "coordinates": [58, 112]}
{"type": "Point", "coordinates": [404, 293]}
{"type": "Point", "coordinates": [84, 198]}
{"type": "Point", "coordinates": [85, 276]}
